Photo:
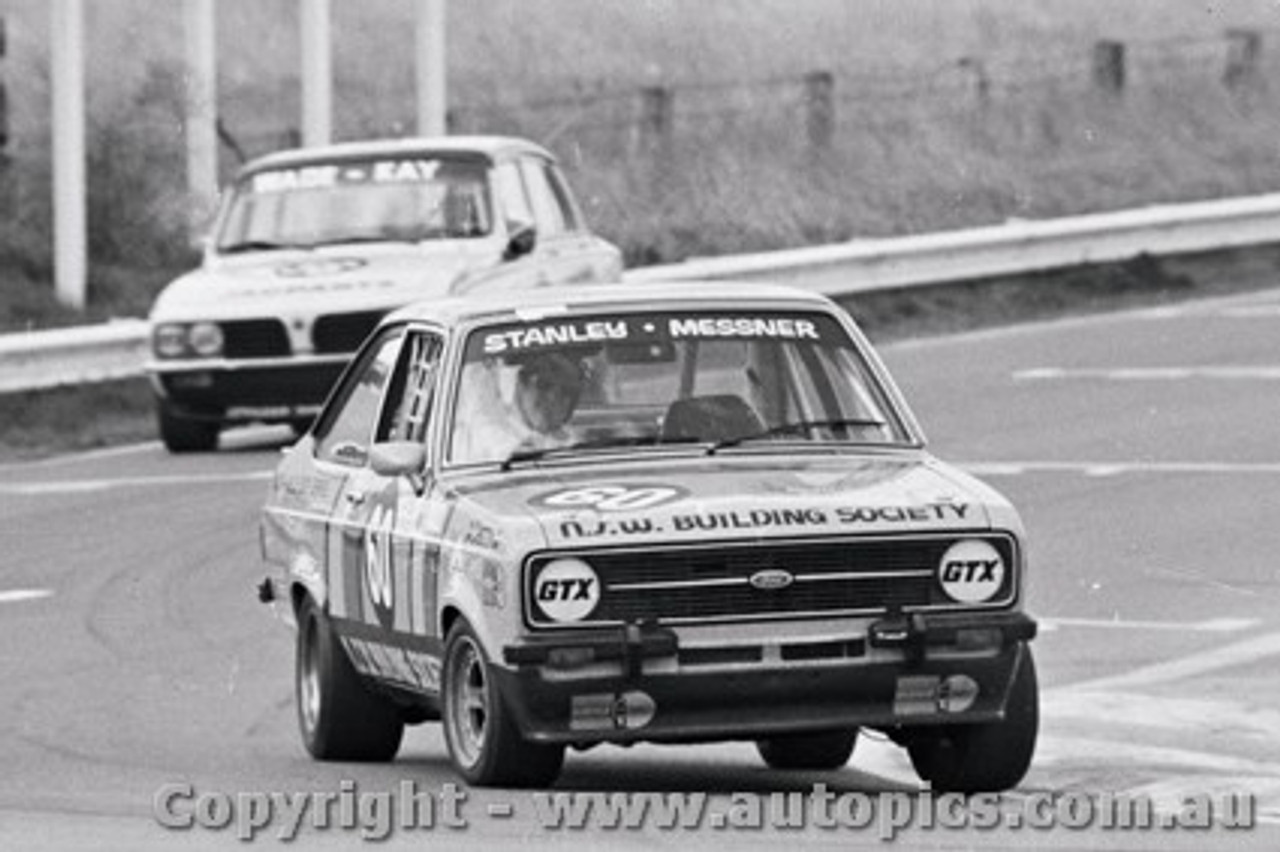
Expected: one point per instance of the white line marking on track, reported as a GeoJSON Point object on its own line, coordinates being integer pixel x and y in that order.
{"type": "Point", "coordinates": [78, 486]}
{"type": "Point", "coordinates": [1231, 372]}
{"type": "Point", "coordinates": [1214, 660]}
{"type": "Point", "coordinates": [1215, 625]}
{"type": "Point", "coordinates": [17, 595]}
{"type": "Point", "coordinates": [1106, 468]}
{"type": "Point", "coordinates": [87, 455]}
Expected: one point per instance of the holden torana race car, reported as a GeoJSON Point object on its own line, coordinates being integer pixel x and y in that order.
{"type": "Point", "coordinates": [670, 513]}
{"type": "Point", "coordinates": [312, 247]}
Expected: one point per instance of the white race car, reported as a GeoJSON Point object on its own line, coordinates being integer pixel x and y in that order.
{"type": "Point", "coordinates": [312, 247]}
{"type": "Point", "coordinates": [672, 513]}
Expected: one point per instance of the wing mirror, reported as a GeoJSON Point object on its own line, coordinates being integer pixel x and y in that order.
{"type": "Point", "coordinates": [524, 237]}
{"type": "Point", "coordinates": [400, 458]}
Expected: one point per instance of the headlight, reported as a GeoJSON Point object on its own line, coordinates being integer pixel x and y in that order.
{"type": "Point", "coordinates": [971, 571]}
{"type": "Point", "coordinates": [565, 590]}
{"type": "Point", "coordinates": [205, 339]}
{"type": "Point", "coordinates": [169, 340]}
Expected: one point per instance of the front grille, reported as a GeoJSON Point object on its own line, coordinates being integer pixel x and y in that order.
{"type": "Point", "coordinates": [865, 576]}
{"type": "Point", "coordinates": [343, 332]}
{"type": "Point", "coordinates": [264, 338]}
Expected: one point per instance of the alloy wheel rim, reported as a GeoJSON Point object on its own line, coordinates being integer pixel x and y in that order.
{"type": "Point", "coordinates": [468, 703]}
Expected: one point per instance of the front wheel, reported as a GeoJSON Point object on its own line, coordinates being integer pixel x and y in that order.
{"type": "Point", "coordinates": [484, 742]}
{"type": "Point", "coordinates": [339, 718]}
{"type": "Point", "coordinates": [186, 434]}
{"type": "Point", "coordinates": [825, 750]}
{"type": "Point", "coordinates": [989, 757]}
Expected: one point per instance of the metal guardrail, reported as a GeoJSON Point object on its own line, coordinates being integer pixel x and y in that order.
{"type": "Point", "coordinates": [37, 360]}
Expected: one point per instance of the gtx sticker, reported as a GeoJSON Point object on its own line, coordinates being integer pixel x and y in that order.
{"type": "Point", "coordinates": [971, 571]}
{"type": "Point", "coordinates": [567, 590]}
{"type": "Point", "coordinates": [611, 498]}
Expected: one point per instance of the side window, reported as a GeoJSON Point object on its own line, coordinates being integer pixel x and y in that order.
{"type": "Point", "coordinates": [546, 206]}
{"type": "Point", "coordinates": [564, 197]}
{"type": "Point", "coordinates": [511, 195]}
{"type": "Point", "coordinates": [407, 413]}
{"type": "Point", "coordinates": [344, 433]}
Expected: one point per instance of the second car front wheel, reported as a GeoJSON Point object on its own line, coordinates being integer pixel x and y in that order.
{"type": "Point", "coordinates": [484, 742]}
{"type": "Point", "coordinates": [186, 434]}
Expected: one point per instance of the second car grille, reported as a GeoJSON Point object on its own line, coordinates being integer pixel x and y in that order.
{"type": "Point", "coordinates": [264, 338]}
{"type": "Point", "coordinates": [828, 577]}
{"type": "Point", "coordinates": [343, 332]}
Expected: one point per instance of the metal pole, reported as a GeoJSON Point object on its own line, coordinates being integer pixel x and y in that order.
{"type": "Point", "coordinates": [431, 67]}
{"type": "Point", "coordinates": [201, 112]}
{"type": "Point", "coordinates": [317, 73]}
{"type": "Point", "coordinates": [70, 238]}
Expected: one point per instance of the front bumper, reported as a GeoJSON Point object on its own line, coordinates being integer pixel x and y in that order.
{"type": "Point", "coordinates": [634, 684]}
{"type": "Point", "coordinates": [229, 391]}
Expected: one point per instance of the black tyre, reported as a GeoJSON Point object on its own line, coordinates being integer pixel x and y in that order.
{"type": "Point", "coordinates": [339, 718]}
{"type": "Point", "coordinates": [825, 750]}
{"type": "Point", "coordinates": [484, 742]}
{"type": "Point", "coordinates": [184, 434]}
{"type": "Point", "coordinates": [988, 757]}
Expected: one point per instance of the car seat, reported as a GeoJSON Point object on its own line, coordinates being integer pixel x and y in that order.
{"type": "Point", "coordinates": [717, 417]}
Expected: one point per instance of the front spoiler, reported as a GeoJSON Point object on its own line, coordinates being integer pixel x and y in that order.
{"type": "Point", "coordinates": [932, 681]}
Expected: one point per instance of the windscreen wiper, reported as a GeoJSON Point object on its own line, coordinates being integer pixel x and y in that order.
{"type": "Point", "coordinates": [594, 444]}
{"type": "Point", "coordinates": [797, 426]}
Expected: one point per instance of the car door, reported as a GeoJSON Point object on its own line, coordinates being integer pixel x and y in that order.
{"type": "Point", "coordinates": [388, 543]}
{"type": "Point", "coordinates": [570, 253]}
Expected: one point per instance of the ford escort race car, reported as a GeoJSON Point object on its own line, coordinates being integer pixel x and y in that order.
{"type": "Point", "coordinates": [312, 247]}
{"type": "Point", "coordinates": [722, 523]}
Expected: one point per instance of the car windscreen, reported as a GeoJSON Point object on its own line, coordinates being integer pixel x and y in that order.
{"type": "Point", "coordinates": [394, 199]}
{"type": "Point", "coordinates": [713, 379]}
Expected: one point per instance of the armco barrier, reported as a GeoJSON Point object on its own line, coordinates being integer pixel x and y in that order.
{"type": "Point", "coordinates": [73, 356]}
{"type": "Point", "coordinates": [43, 359]}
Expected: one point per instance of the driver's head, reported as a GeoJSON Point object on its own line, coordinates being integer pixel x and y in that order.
{"type": "Point", "coordinates": [547, 391]}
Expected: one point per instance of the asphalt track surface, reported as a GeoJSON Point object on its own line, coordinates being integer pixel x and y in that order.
{"type": "Point", "coordinates": [1143, 449]}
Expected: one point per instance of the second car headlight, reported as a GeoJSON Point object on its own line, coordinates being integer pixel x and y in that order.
{"type": "Point", "coordinates": [169, 340]}
{"type": "Point", "coordinates": [205, 339]}
{"type": "Point", "coordinates": [183, 340]}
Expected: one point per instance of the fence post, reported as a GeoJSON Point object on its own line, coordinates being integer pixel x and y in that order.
{"type": "Point", "coordinates": [4, 96]}
{"type": "Point", "coordinates": [1244, 51]}
{"type": "Point", "coordinates": [820, 110]}
{"type": "Point", "coordinates": [656, 120]}
{"type": "Point", "coordinates": [1108, 67]}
